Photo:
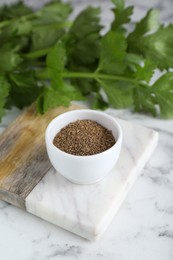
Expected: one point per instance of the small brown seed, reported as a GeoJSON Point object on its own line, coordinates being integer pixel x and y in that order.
{"type": "Point", "coordinates": [84, 137]}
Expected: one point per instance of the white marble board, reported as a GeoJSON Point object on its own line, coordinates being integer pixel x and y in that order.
{"type": "Point", "coordinates": [87, 210]}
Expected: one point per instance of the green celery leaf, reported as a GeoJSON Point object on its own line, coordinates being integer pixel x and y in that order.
{"type": "Point", "coordinates": [160, 94]}
{"type": "Point", "coordinates": [139, 68]}
{"type": "Point", "coordinates": [14, 10]}
{"type": "Point", "coordinates": [56, 60]}
{"type": "Point", "coordinates": [20, 27]}
{"type": "Point", "coordinates": [120, 4]}
{"type": "Point", "coordinates": [132, 58]}
{"type": "Point", "coordinates": [57, 97]}
{"type": "Point", "coordinates": [80, 28]}
{"type": "Point", "coordinates": [98, 102]}
{"type": "Point", "coordinates": [119, 93]}
{"type": "Point", "coordinates": [122, 14]}
{"type": "Point", "coordinates": [83, 41]}
{"type": "Point", "coordinates": [56, 57]}
{"type": "Point", "coordinates": [48, 24]}
{"type": "Point", "coordinates": [153, 41]}
{"type": "Point", "coordinates": [113, 52]}
{"type": "Point", "coordinates": [148, 24]}
{"type": "Point", "coordinates": [9, 59]}
{"type": "Point", "coordinates": [11, 34]}
{"type": "Point", "coordinates": [83, 47]}
{"type": "Point", "coordinates": [144, 71]}
{"type": "Point", "coordinates": [163, 91]}
{"type": "Point", "coordinates": [159, 47]}
{"type": "Point", "coordinates": [42, 38]}
{"type": "Point", "coordinates": [132, 61]}
{"type": "Point", "coordinates": [55, 11]}
{"type": "Point", "coordinates": [24, 88]}
{"type": "Point", "coordinates": [143, 100]}
{"type": "Point", "coordinates": [4, 91]}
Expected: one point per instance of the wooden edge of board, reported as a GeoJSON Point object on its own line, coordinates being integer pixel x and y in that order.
{"type": "Point", "coordinates": [11, 176]}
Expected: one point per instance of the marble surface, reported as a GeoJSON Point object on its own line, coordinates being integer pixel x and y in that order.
{"type": "Point", "coordinates": [87, 210]}
{"type": "Point", "coordinates": [143, 227]}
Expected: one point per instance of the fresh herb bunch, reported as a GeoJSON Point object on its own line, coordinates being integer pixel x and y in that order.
{"type": "Point", "coordinates": [46, 58]}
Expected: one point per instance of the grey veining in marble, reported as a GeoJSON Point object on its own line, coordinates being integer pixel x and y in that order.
{"type": "Point", "coordinates": [143, 227]}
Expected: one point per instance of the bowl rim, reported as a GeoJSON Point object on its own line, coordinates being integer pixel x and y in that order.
{"type": "Point", "coordinates": [112, 119]}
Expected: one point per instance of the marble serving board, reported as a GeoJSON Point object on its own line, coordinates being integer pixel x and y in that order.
{"type": "Point", "coordinates": [85, 210]}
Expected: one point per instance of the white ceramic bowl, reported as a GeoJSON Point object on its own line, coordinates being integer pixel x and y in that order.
{"type": "Point", "coordinates": [83, 169]}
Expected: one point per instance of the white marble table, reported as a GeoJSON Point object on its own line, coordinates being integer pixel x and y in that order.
{"type": "Point", "coordinates": [143, 227]}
